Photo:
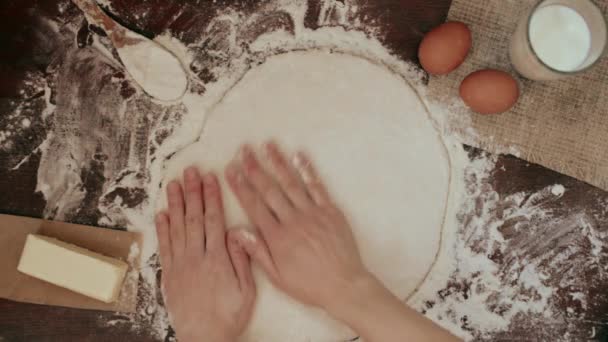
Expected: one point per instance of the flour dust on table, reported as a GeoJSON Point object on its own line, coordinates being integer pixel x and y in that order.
{"type": "Point", "coordinates": [376, 149]}
{"type": "Point", "coordinates": [106, 147]}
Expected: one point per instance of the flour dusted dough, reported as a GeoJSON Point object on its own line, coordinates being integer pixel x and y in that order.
{"type": "Point", "coordinates": [374, 146]}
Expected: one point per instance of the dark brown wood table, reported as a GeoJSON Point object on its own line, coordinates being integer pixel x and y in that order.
{"type": "Point", "coordinates": [27, 52]}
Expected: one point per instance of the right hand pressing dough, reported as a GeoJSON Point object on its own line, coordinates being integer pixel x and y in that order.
{"type": "Point", "coordinates": [306, 247]}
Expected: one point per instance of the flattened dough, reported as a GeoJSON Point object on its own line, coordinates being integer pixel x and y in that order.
{"type": "Point", "coordinates": [375, 147]}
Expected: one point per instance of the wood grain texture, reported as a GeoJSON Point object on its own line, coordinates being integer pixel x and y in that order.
{"type": "Point", "coordinates": [24, 53]}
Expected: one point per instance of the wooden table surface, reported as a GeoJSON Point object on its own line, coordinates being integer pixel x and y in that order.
{"type": "Point", "coordinates": [25, 52]}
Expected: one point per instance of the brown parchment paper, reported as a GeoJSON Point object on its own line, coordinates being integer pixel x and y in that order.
{"type": "Point", "coordinates": [562, 125]}
{"type": "Point", "coordinates": [23, 288]}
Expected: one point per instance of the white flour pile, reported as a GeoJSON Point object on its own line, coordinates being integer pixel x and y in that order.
{"type": "Point", "coordinates": [488, 278]}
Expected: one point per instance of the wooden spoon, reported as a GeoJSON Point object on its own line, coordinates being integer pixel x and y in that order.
{"type": "Point", "coordinates": [154, 68]}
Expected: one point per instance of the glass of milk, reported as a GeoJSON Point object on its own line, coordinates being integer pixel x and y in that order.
{"type": "Point", "coordinates": [558, 38]}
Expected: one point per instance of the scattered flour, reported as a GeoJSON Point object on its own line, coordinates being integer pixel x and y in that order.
{"type": "Point", "coordinates": [503, 257]}
{"type": "Point", "coordinates": [558, 190]}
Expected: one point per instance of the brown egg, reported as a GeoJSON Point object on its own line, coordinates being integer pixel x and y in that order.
{"type": "Point", "coordinates": [445, 48]}
{"type": "Point", "coordinates": [489, 91]}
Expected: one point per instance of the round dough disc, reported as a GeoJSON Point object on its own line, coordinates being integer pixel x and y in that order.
{"type": "Point", "coordinates": [375, 148]}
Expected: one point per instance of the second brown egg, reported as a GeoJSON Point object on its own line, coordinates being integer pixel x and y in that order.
{"type": "Point", "coordinates": [489, 91]}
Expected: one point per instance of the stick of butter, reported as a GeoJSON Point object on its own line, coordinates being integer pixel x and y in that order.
{"type": "Point", "coordinates": [72, 267]}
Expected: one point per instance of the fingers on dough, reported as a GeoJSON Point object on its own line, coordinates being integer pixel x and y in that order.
{"type": "Point", "coordinates": [257, 211]}
{"type": "Point", "coordinates": [193, 194]}
{"type": "Point", "coordinates": [214, 214]}
{"type": "Point", "coordinates": [265, 185]}
{"type": "Point", "coordinates": [175, 198]}
{"type": "Point", "coordinates": [258, 250]}
{"type": "Point", "coordinates": [164, 240]}
{"type": "Point", "coordinates": [241, 264]}
{"type": "Point", "coordinates": [316, 188]}
{"type": "Point", "coordinates": [288, 177]}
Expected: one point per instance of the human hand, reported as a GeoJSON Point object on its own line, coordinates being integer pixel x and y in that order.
{"type": "Point", "coordinates": [206, 281]}
{"type": "Point", "coordinates": [305, 244]}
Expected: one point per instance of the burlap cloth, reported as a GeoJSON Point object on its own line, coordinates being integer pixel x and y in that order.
{"type": "Point", "coordinates": [562, 125]}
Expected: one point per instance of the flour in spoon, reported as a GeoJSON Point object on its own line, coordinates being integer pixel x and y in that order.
{"type": "Point", "coordinates": [155, 69]}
